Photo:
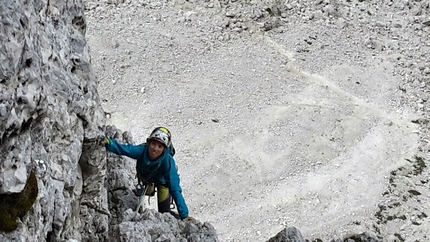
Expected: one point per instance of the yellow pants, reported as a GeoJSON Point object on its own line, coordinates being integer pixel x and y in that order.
{"type": "Point", "coordinates": [164, 199]}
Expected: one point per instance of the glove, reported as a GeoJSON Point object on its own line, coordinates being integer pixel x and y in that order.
{"type": "Point", "coordinates": [189, 219]}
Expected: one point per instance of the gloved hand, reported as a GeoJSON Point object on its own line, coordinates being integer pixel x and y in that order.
{"type": "Point", "coordinates": [100, 140]}
{"type": "Point", "coordinates": [189, 219]}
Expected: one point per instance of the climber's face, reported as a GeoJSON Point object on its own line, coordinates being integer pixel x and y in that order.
{"type": "Point", "coordinates": [155, 149]}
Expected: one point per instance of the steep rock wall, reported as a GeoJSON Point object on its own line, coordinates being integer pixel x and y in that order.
{"type": "Point", "coordinates": [55, 181]}
{"type": "Point", "coordinates": [49, 109]}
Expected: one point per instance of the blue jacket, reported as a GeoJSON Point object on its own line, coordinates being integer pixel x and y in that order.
{"type": "Point", "coordinates": [165, 174]}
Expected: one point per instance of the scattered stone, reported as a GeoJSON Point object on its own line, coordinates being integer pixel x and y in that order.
{"type": "Point", "coordinates": [290, 234]}
{"type": "Point", "coordinates": [230, 14]}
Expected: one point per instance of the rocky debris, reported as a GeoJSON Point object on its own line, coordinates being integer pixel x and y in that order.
{"type": "Point", "coordinates": [404, 203]}
{"type": "Point", "coordinates": [292, 234]}
{"type": "Point", "coordinates": [363, 237]}
{"type": "Point", "coordinates": [369, 34]}
{"type": "Point", "coordinates": [384, 36]}
{"type": "Point", "coordinates": [380, 31]}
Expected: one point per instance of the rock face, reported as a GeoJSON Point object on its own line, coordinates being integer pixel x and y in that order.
{"type": "Point", "coordinates": [49, 107]}
{"type": "Point", "coordinates": [54, 180]}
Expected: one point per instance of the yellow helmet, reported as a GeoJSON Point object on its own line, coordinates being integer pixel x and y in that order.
{"type": "Point", "coordinates": [161, 134]}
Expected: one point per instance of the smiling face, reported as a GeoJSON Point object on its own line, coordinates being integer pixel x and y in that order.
{"type": "Point", "coordinates": [155, 149]}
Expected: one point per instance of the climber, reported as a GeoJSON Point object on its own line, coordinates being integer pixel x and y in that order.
{"type": "Point", "coordinates": [155, 164]}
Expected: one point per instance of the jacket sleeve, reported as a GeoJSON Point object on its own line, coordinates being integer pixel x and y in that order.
{"type": "Point", "coordinates": [132, 151]}
{"type": "Point", "coordinates": [176, 191]}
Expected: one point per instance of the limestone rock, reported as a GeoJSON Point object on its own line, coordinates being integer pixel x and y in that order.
{"type": "Point", "coordinates": [290, 234]}
{"type": "Point", "coordinates": [49, 106]}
